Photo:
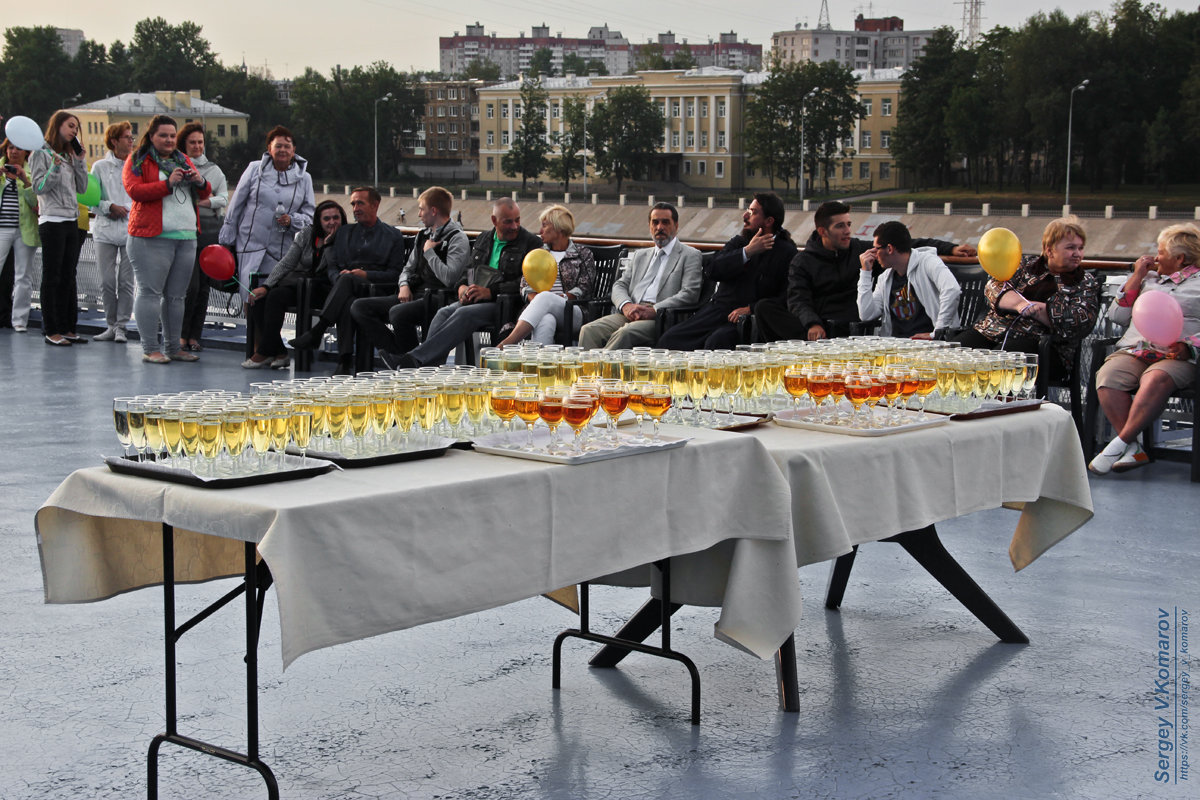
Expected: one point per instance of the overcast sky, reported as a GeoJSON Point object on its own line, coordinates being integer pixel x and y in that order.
{"type": "Point", "coordinates": [286, 37]}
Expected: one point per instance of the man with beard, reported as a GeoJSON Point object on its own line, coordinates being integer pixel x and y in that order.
{"type": "Point", "coordinates": [753, 265]}
{"type": "Point", "coordinates": [822, 293]}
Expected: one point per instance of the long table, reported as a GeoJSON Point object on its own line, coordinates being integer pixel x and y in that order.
{"type": "Point", "coordinates": [364, 552]}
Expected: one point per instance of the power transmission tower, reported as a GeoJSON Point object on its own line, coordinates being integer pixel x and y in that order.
{"type": "Point", "coordinates": [823, 20]}
{"type": "Point", "coordinates": [972, 19]}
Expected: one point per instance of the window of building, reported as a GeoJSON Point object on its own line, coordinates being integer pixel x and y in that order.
{"type": "Point", "coordinates": [749, 172]}
{"type": "Point", "coordinates": [702, 167]}
{"type": "Point", "coordinates": [866, 108]}
{"type": "Point", "coordinates": [704, 108]}
{"type": "Point", "coordinates": [516, 110]}
{"type": "Point", "coordinates": [441, 111]}
{"type": "Point", "coordinates": [864, 171]}
{"type": "Point", "coordinates": [441, 127]}
{"type": "Point", "coordinates": [491, 164]}
{"type": "Point", "coordinates": [504, 138]}
{"type": "Point", "coordinates": [885, 139]}
{"type": "Point", "coordinates": [720, 138]}
{"type": "Point", "coordinates": [453, 93]}
{"type": "Point", "coordinates": [441, 94]}
{"type": "Point", "coordinates": [454, 144]}
{"type": "Point", "coordinates": [233, 130]}
{"type": "Point", "coordinates": [690, 108]}
{"type": "Point", "coordinates": [847, 170]}
{"type": "Point", "coordinates": [475, 109]}
{"type": "Point", "coordinates": [220, 130]}
{"type": "Point", "coordinates": [704, 139]}
{"type": "Point", "coordinates": [674, 108]}
{"type": "Point", "coordinates": [691, 139]}
{"type": "Point", "coordinates": [687, 168]}
{"type": "Point", "coordinates": [554, 111]}
{"type": "Point", "coordinates": [885, 171]}
{"type": "Point", "coordinates": [441, 144]}
{"type": "Point", "coordinates": [885, 106]}
{"type": "Point", "coordinates": [504, 111]}
{"type": "Point", "coordinates": [491, 138]}
{"type": "Point", "coordinates": [720, 109]}
{"type": "Point", "coordinates": [454, 127]}
{"type": "Point", "coordinates": [491, 111]}
{"type": "Point", "coordinates": [675, 139]}
{"type": "Point", "coordinates": [454, 111]}
{"type": "Point", "coordinates": [720, 169]}
{"type": "Point", "coordinates": [864, 139]}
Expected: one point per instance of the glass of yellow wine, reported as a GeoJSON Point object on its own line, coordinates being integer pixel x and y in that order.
{"type": "Point", "coordinates": [121, 422]}
{"type": "Point", "coordinates": [300, 426]}
{"type": "Point", "coordinates": [656, 400]}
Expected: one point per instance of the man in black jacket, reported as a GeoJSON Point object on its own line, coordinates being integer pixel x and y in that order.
{"type": "Point", "coordinates": [822, 292]}
{"type": "Point", "coordinates": [495, 269]}
{"type": "Point", "coordinates": [753, 265]}
{"type": "Point", "coordinates": [365, 252]}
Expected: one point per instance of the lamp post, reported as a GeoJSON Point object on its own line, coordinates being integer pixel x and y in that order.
{"type": "Point", "coordinates": [1070, 120]}
{"type": "Point", "coordinates": [803, 150]}
{"type": "Point", "coordinates": [585, 116]}
{"type": "Point", "coordinates": [379, 100]}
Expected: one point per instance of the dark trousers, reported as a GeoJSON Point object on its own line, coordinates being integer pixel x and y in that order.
{"type": "Point", "coordinates": [1056, 370]}
{"type": "Point", "coordinates": [372, 315]}
{"type": "Point", "coordinates": [709, 329]}
{"type": "Point", "coordinates": [775, 322]}
{"type": "Point", "coordinates": [195, 304]}
{"type": "Point", "coordinates": [269, 312]}
{"type": "Point", "coordinates": [60, 258]}
{"type": "Point", "coordinates": [336, 311]}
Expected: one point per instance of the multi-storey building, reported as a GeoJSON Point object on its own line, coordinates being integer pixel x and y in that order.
{"type": "Point", "coordinates": [878, 43]}
{"type": "Point", "coordinates": [512, 54]}
{"type": "Point", "coordinates": [703, 113]}
{"type": "Point", "coordinates": [224, 125]}
{"type": "Point", "coordinates": [726, 52]}
{"type": "Point", "coordinates": [446, 145]}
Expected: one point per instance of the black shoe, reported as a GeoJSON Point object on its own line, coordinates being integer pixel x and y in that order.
{"type": "Point", "coordinates": [345, 366]}
{"type": "Point", "coordinates": [308, 340]}
{"type": "Point", "coordinates": [75, 338]}
{"type": "Point", "coordinates": [63, 342]}
{"type": "Point", "coordinates": [398, 360]}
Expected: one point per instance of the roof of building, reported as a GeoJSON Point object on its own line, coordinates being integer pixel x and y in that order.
{"type": "Point", "coordinates": [148, 103]}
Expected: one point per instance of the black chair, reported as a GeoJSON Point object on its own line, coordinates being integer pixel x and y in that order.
{"type": "Point", "coordinates": [1071, 379]}
{"type": "Point", "coordinates": [972, 303]}
{"type": "Point", "coordinates": [1150, 439]}
{"type": "Point", "coordinates": [303, 310]}
{"type": "Point", "coordinates": [670, 317]}
{"type": "Point", "coordinates": [608, 264]}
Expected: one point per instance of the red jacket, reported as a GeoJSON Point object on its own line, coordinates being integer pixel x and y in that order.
{"type": "Point", "coordinates": [147, 193]}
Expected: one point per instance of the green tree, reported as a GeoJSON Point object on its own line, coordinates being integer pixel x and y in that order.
{"type": "Point", "coordinates": [920, 141]}
{"type": "Point", "coordinates": [483, 69]}
{"type": "Point", "coordinates": [624, 132]}
{"type": "Point", "coordinates": [683, 58]}
{"type": "Point", "coordinates": [572, 142]}
{"type": "Point", "coordinates": [167, 56]}
{"type": "Point", "coordinates": [35, 74]}
{"type": "Point", "coordinates": [527, 156]}
{"type": "Point", "coordinates": [650, 56]}
{"type": "Point", "coordinates": [254, 95]}
{"type": "Point", "coordinates": [541, 63]}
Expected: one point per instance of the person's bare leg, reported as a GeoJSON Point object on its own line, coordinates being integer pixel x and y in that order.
{"type": "Point", "coordinates": [520, 333]}
{"type": "Point", "coordinates": [1148, 403]}
{"type": "Point", "coordinates": [1115, 404]}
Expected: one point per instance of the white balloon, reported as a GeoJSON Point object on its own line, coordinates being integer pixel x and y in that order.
{"type": "Point", "coordinates": [24, 133]}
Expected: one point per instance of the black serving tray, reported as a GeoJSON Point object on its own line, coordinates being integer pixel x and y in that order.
{"type": "Point", "coordinates": [128, 465]}
{"type": "Point", "coordinates": [351, 462]}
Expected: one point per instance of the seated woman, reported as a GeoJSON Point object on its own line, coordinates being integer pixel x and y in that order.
{"type": "Point", "coordinates": [1049, 294]}
{"type": "Point", "coordinates": [1138, 366]}
{"type": "Point", "coordinates": [281, 287]}
{"type": "Point", "coordinates": [576, 274]}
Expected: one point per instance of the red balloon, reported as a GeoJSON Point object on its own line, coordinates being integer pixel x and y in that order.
{"type": "Point", "coordinates": [217, 262]}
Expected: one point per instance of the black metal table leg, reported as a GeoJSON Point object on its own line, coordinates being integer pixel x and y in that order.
{"type": "Point", "coordinates": [785, 674]}
{"type": "Point", "coordinates": [644, 622]}
{"type": "Point", "coordinates": [839, 576]}
{"type": "Point", "coordinates": [626, 645]}
{"type": "Point", "coordinates": [252, 589]}
{"type": "Point", "coordinates": [925, 546]}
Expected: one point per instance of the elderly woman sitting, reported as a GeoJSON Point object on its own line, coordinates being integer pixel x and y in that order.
{"type": "Point", "coordinates": [1138, 366]}
{"type": "Point", "coordinates": [1049, 294]}
{"type": "Point", "coordinates": [576, 274]}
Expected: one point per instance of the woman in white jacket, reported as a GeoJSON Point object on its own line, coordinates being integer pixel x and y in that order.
{"type": "Point", "coordinates": [916, 295]}
{"type": "Point", "coordinates": [109, 232]}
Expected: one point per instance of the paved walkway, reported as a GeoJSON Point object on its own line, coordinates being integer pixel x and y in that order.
{"type": "Point", "coordinates": [903, 694]}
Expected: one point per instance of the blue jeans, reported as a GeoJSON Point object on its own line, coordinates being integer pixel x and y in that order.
{"type": "Point", "coordinates": [163, 268]}
{"type": "Point", "coordinates": [452, 324]}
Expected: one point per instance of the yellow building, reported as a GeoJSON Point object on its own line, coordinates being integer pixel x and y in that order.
{"type": "Point", "coordinates": [224, 125]}
{"type": "Point", "coordinates": [703, 125]}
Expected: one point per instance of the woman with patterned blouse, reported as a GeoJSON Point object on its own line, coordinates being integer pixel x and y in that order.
{"type": "Point", "coordinates": [1049, 294]}
{"type": "Point", "coordinates": [1138, 366]}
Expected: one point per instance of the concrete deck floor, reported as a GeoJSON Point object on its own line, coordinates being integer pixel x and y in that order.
{"type": "Point", "coordinates": [903, 693]}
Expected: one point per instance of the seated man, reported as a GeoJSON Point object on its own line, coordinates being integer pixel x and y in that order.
{"type": "Point", "coordinates": [437, 261]}
{"type": "Point", "coordinates": [751, 266]}
{"type": "Point", "coordinates": [664, 276]}
{"type": "Point", "coordinates": [365, 252]}
{"type": "Point", "coordinates": [823, 280]}
{"type": "Point", "coordinates": [495, 269]}
{"type": "Point", "coordinates": [916, 295]}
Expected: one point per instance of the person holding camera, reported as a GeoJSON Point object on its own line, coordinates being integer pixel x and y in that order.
{"type": "Point", "coordinates": [165, 186]}
{"type": "Point", "coordinates": [59, 173]}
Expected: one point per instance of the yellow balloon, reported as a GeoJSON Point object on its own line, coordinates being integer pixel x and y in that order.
{"type": "Point", "coordinates": [540, 269]}
{"type": "Point", "coordinates": [1000, 253]}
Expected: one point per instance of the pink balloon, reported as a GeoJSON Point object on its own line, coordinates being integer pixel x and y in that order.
{"type": "Point", "coordinates": [1158, 318]}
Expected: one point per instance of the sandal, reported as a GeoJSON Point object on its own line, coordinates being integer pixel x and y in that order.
{"type": "Point", "coordinates": [155, 358]}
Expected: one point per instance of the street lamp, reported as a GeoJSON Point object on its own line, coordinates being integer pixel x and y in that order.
{"type": "Point", "coordinates": [1070, 120]}
{"type": "Point", "coordinates": [803, 151]}
{"type": "Point", "coordinates": [383, 99]}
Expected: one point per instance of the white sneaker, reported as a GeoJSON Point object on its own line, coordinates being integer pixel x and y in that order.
{"type": "Point", "coordinates": [119, 336]}
{"type": "Point", "coordinates": [1133, 457]}
{"type": "Point", "coordinates": [19, 328]}
{"type": "Point", "coordinates": [109, 335]}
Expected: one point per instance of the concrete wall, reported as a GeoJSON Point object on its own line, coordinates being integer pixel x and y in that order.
{"type": "Point", "coordinates": [1122, 239]}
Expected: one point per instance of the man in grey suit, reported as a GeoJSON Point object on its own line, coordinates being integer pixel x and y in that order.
{"type": "Point", "coordinates": [660, 277]}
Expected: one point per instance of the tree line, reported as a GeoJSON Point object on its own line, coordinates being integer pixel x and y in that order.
{"type": "Point", "coordinates": [997, 113]}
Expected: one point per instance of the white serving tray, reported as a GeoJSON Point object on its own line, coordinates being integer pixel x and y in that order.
{"type": "Point", "coordinates": [501, 444]}
{"type": "Point", "coordinates": [806, 419]}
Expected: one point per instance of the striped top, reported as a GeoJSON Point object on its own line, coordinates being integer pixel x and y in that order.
{"type": "Point", "coordinates": [10, 209]}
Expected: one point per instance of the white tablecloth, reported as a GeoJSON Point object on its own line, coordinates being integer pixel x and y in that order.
{"type": "Point", "coordinates": [847, 490]}
{"type": "Point", "coordinates": [364, 552]}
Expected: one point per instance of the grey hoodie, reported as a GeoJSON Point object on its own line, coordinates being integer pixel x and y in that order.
{"type": "Point", "coordinates": [57, 181]}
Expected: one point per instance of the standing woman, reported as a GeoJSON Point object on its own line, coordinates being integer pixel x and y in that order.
{"type": "Point", "coordinates": [18, 228]}
{"type": "Point", "coordinates": [273, 202]}
{"type": "Point", "coordinates": [109, 232]}
{"type": "Point", "coordinates": [59, 174]}
{"type": "Point", "coordinates": [165, 186]}
{"type": "Point", "coordinates": [191, 141]}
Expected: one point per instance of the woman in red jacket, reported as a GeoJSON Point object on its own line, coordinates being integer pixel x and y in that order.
{"type": "Point", "coordinates": [164, 186]}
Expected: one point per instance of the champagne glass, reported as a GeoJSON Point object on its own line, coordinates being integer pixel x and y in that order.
{"type": "Point", "coordinates": [637, 404]}
{"type": "Point", "coordinates": [280, 427]}
{"type": "Point", "coordinates": [732, 384]}
{"type": "Point", "coordinates": [893, 383]}
{"type": "Point", "coordinates": [404, 409]}
{"type": "Point", "coordinates": [818, 390]}
{"type": "Point", "coordinates": [550, 410]}
{"type": "Point", "coordinates": [697, 370]}
{"type": "Point", "coordinates": [428, 411]}
{"type": "Point", "coordinates": [614, 399]}
{"type": "Point", "coordinates": [233, 435]}
{"type": "Point", "coordinates": [795, 383]}
{"type": "Point", "coordinates": [189, 435]}
{"type": "Point", "coordinates": [858, 391]}
{"type": "Point", "coordinates": [454, 401]}
{"type": "Point", "coordinates": [526, 403]}
{"type": "Point", "coordinates": [153, 431]}
{"type": "Point", "coordinates": [945, 383]}
{"type": "Point", "coordinates": [300, 427]}
{"type": "Point", "coordinates": [577, 412]}
{"type": "Point", "coordinates": [358, 412]}
{"type": "Point", "coordinates": [121, 423]}
{"type": "Point", "coordinates": [908, 388]}
{"type": "Point", "coordinates": [837, 389]}
{"type": "Point", "coordinates": [382, 415]}
{"type": "Point", "coordinates": [927, 380]}
{"type": "Point", "coordinates": [258, 423]}
{"type": "Point", "coordinates": [964, 383]}
{"type": "Point", "coordinates": [476, 398]}
{"type": "Point", "coordinates": [168, 423]}
{"type": "Point", "coordinates": [504, 405]}
{"type": "Point", "coordinates": [656, 399]}
{"type": "Point", "coordinates": [210, 439]}
{"type": "Point", "coordinates": [715, 386]}
{"type": "Point", "coordinates": [337, 420]}
{"type": "Point", "coordinates": [1029, 384]}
